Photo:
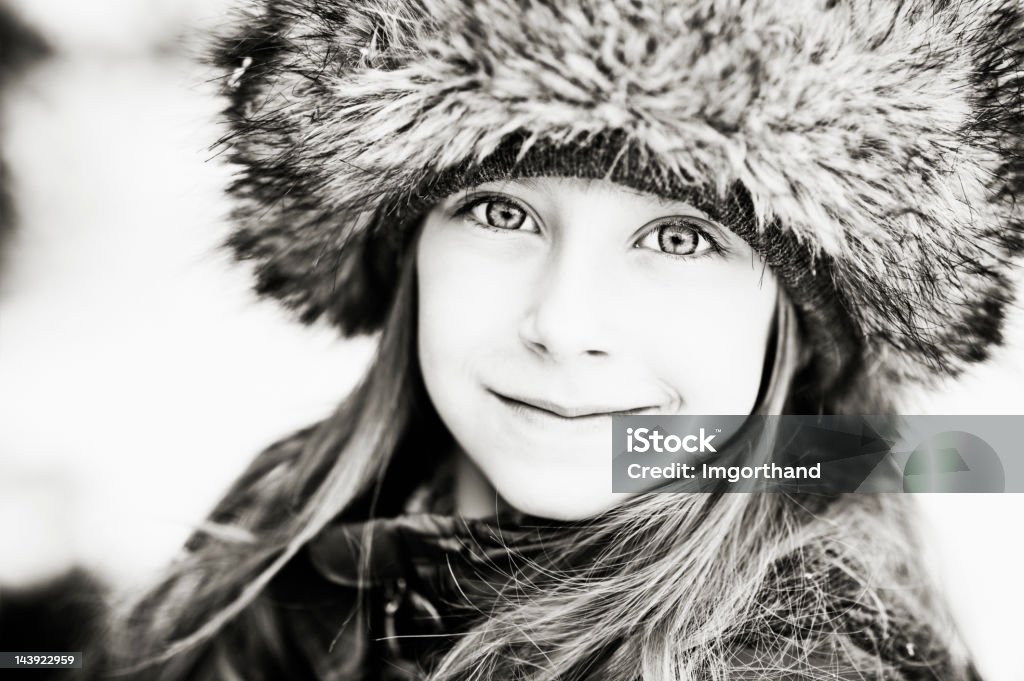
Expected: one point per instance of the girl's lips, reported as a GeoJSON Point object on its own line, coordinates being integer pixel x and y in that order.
{"type": "Point", "coordinates": [543, 408]}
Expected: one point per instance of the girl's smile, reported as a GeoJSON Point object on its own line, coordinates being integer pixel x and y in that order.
{"type": "Point", "coordinates": [539, 410]}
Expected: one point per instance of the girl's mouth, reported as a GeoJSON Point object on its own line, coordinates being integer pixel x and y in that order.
{"type": "Point", "coordinates": [537, 407]}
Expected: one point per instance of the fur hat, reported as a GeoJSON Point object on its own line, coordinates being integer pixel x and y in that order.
{"type": "Point", "coordinates": [871, 152]}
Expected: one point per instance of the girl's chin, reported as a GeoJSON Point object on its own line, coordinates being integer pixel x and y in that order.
{"type": "Point", "coordinates": [562, 478]}
{"type": "Point", "coordinates": [562, 503]}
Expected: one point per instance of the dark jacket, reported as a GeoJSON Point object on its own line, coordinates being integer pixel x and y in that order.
{"type": "Point", "coordinates": [431, 573]}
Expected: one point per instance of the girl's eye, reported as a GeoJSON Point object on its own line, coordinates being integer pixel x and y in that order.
{"type": "Point", "coordinates": [501, 214]}
{"type": "Point", "coordinates": [680, 237]}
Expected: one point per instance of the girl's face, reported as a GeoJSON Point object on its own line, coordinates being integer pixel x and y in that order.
{"type": "Point", "coordinates": [546, 305]}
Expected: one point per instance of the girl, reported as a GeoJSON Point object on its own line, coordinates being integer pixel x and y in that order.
{"type": "Point", "coordinates": [557, 212]}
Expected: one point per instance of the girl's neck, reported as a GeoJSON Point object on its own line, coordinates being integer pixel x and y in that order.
{"type": "Point", "coordinates": [475, 497]}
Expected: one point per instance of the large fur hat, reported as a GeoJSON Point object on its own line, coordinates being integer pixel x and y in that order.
{"type": "Point", "coordinates": [20, 46]}
{"type": "Point", "coordinates": [871, 151]}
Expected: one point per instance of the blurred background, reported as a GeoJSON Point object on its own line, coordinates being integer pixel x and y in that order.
{"type": "Point", "coordinates": [138, 374]}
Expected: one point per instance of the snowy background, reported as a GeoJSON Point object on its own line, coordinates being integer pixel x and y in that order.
{"type": "Point", "coordinates": [138, 374]}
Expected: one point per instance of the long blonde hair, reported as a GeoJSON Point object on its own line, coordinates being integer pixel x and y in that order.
{"type": "Point", "coordinates": [679, 586]}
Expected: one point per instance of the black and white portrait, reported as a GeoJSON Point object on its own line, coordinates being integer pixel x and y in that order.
{"type": "Point", "coordinates": [322, 323]}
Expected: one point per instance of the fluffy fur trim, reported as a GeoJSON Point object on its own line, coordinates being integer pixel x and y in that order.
{"type": "Point", "coordinates": [886, 137]}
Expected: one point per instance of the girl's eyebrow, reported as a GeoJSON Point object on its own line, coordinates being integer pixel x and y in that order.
{"type": "Point", "coordinates": [530, 183]}
{"type": "Point", "coordinates": [667, 203]}
{"type": "Point", "coordinates": [670, 206]}
{"type": "Point", "coordinates": [534, 183]}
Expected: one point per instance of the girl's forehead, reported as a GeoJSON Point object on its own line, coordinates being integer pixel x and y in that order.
{"type": "Point", "coordinates": [567, 188]}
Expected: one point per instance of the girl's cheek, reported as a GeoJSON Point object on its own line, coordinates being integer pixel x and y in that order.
{"type": "Point", "coordinates": [467, 299]}
{"type": "Point", "coordinates": [712, 331]}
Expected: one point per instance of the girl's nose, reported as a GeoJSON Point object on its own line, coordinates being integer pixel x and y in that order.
{"type": "Point", "coordinates": [570, 308]}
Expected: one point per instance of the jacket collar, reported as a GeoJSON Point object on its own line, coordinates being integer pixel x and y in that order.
{"type": "Point", "coordinates": [429, 532]}
{"type": "Point", "coordinates": [427, 573]}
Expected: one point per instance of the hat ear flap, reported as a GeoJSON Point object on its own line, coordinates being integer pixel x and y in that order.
{"type": "Point", "coordinates": [365, 285]}
{"type": "Point", "coordinates": [362, 302]}
{"type": "Point", "coordinates": [351, 285]}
